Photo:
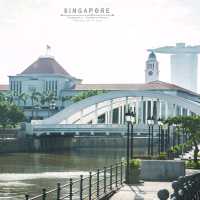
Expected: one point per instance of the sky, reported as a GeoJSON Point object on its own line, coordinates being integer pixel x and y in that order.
{"type": "Point", "coordinates": [108, 51]}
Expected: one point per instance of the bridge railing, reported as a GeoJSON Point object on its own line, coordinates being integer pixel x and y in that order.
{"type": "Point", "coordinates": [97, 185]}
{"type": "Point", "coordinates": [186, 187]}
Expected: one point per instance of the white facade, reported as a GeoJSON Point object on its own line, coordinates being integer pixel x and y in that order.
{"type": "Point", "coordinates": [152, 70]}
{"type": "Point", "coordinates": [184, 70]}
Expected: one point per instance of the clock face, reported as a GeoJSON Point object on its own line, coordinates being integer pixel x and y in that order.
{"type": "Point", "coordinates": [150, 73]}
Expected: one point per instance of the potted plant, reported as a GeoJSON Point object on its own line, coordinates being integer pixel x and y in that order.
{"type": "Point", "coordinates": [134, 171]}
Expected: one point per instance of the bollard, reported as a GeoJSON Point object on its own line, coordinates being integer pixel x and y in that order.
{"type": "Point", "coordinates": [26, 196]}
{"type": "Point", "coordinates": [163, 194]}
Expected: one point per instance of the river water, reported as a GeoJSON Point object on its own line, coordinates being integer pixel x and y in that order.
{"type": "Point", "coordinates": [22, 173]}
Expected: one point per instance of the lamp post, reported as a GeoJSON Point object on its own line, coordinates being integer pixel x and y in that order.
{"type": "Point", "coordinates": [160, 124]}
{"type": "Point", "coordinates": [150, 122]}
{"type": "Point", "coordinates": [129, 119]}
{"type": "Point", "coordinates": [133, 121]}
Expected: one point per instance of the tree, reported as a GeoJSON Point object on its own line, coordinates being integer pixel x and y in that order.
{"type": "Point", "coordinates": [23, 97]}
{"type": "Point", "coordinates": [4, 120]}
{"type": "Point", "coordinates": [10, 114]}
{"type": "Point", "coordinates": [15, 115]}
{"type": "Point", "coordinates": [35, 96]}
{"type": "Point", "coordinates": [86, 94]}
{"type": "Point", "coordinates": [191, 124]}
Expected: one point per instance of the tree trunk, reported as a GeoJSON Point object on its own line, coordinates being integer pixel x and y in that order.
{"type": "Point", "coordinates": [196, 151]}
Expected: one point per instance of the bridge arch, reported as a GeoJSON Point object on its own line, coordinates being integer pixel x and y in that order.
{"type": "Point", "coordinates": [65, 116]}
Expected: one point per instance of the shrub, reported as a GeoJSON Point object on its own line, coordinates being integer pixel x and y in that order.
{"type": "Point", "coordinates": [162, 156]}
{"type": "Point", "coordinates": [190, 164]}
{"type": "Point", "coordinates": [135, 163]}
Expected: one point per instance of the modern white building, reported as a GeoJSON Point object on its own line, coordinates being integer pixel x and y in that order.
{"type": "Point", "coordinates": [184, 63]}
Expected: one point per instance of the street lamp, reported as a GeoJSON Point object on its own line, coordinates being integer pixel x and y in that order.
{"type": "Point", "coordinates": [150, 122]}
{"type": "Point", "coordinates": [160, 124]}
{"type": "Point", "coordinates": [129, 119]}
{"type": "Point", "coordinates": [133, 121]}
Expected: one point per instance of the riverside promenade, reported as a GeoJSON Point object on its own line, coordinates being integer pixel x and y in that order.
{"type": "Point", "coordinates": [147, 190]}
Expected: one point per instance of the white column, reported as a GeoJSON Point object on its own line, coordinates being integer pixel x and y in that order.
{"type": "Point", "coordinates": [142, 99]}
{"type": "Point", "coordinates": [158, 108]}
{"type": "Point", "coordinates": [146, 111]}
{"type": "Point", "coordinates": [122, 113]}
{"type": "Point", "coordinates": [151, 107]}
{"type": "Point", "coordinates": [137, 111]}
{"type": "Point", "coordinates": [119, 115]}
{"type": "Point", "coordinates": [111, 111]}
{"type": "Point", "coordinates": [181, 111]}
{"type": "Point", "coordinates": [166, 110]}
{"type": "Point", "coordinates": [106, 117]}
{"type": "Point", "coordinates": [174, 110]}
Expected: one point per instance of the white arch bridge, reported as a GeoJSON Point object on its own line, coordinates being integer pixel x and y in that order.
{"type": "Point", "coordinates": [105, 112]}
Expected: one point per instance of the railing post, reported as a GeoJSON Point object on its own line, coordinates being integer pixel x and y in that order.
{"type": "Point", "coordinates": [26, 196]}
{"type": "Point", "coordinates": [44, 194]}
{"type": "Point", "coordinates": [121, 173]}
{"type": "Point", "coordinates": [104, 173]}
{"type": "Point", "coordinates": [58, 191]}
{"type": "Point", "coordinates": [116, 177]}
{"type": "Point", "coordinates": [111, 177]}
{"type": "Point", "coordinates": [90, 186]}
{"type": "Point", "coordinates": [81, 187]}
{"type": "Point", "coordinates": [98, 183]}
{"type": "Point", "coordinates": [70, 188]}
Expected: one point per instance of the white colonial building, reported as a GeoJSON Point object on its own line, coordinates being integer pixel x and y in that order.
{"type": "Point", "coordinates": [153, 98]}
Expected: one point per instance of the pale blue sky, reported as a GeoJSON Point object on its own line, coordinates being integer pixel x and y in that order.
{"type": "Point", "coordinates": [111, 51]}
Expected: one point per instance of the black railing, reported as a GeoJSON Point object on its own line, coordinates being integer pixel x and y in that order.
{"type": "Point", "coordinates": [95, 186]}
{"type": "Point", "coordinates": [185, 188]}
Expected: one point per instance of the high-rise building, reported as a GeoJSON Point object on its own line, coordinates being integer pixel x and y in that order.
{"type": "Point", "coordinates": [184, 62]}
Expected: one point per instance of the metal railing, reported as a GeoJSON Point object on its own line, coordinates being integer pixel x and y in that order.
{"type": "Point", "coordinates": [97, 185]}
{"type": "Point", "coordinates": [185, 188]}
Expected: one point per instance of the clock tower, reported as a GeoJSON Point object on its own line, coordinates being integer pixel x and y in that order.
{"type": "Point", "coordinates": [151, 71]}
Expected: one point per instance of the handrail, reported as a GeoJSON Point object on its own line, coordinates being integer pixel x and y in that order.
{"type": "Point", "coordinates": [95, 186]}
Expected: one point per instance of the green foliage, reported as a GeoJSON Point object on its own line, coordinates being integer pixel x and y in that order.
{"type": "Point", "coordinates": [162, 156]}
{"type": "Point", "coordinates": [135, 163]}
{"type": "Point", "coordinates": [10, 115]}
{"type": "Point", "coordinates": [191, 125]}
{"type": "Point", "coordinates": [86, 94]}
{"type": "Point", "coordinates": [190, 164]}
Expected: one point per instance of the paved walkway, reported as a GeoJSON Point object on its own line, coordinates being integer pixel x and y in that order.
{"type": "Point", "coordinates": [146, 190]}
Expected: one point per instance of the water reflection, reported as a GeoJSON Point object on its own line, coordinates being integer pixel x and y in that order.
{"type": "Point", "coordinates": [22, 173]}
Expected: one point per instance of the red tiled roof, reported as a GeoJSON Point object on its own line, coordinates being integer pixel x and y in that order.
{"type": "Point", "coordinates": [4, 87]}
{"type": "Point", "coordinates": [45, 65]}
{"type": "Point", "coordinates": [155, 85]}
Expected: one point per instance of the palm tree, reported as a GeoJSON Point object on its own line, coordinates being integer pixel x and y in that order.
{"type": "Point", "coordinates": [22, 97]}
{"type": "Point", "coordinates": [35, 96]}
{"type": "Point", "coordinates": [47, 97]}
